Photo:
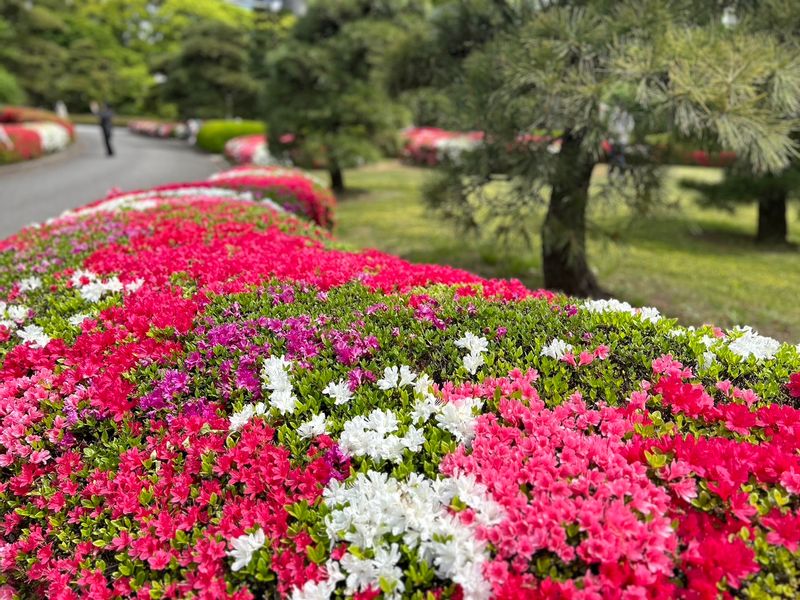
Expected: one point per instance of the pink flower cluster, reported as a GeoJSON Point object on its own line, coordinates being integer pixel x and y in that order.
{"type": "Point", "coordinates": [294, 189]}
{"type": "Point", "coordinates": [247, 149]}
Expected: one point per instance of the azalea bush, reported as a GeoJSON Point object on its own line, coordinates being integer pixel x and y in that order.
{"type": "Point", "coordinates": [295, 190]}
{"type": "Point", "coordinates": [27, 133]}
{"type": "Point", "coordinates": [204, 396]}
{"type": "Point", "coordinates": [248, 150]}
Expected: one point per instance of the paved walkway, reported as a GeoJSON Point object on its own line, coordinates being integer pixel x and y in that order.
{"type": "Point", "coordinates": [43, 188]}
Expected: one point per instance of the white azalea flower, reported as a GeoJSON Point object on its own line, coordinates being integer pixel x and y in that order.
{"type": "Point", "coordinates": [244, 547]}
{"type": "Point", "coordinates": [135, 285]}
{"type": "Point", "coordinates": [241, 418]}
{"type": "Point", "coordinates": [407, 376]}
{"type": "Point", "coordinates": [424, 408]}
{"type": "Point", "coordinates": [472, 343]}
{"type": "Point", "coordinates": [30, 283]}
{"type": "Point", "coordinates": [557, 348]}
{"type": "Point", "coordinates": [34, 335]}
{"type": "Point", "coordinates": [753, 344]}
{"type": "Point", "coordinates": [472, 362]}
{"type": "Point", "coordinates": [78, 318]}
{"type": "Point", "coordinates": [422, 385]}
{"type": "Point", "coordinates": [391, 376]}
{"type": "Point", "coordinates": [283, 400]}
{"type": "Point", "coordinates": [313, 427]}
{"type": "Point", "coordinates": [458, 418]}
{"type": "Point", "coordinates": [17, 312]}
{"type": "Point", "coordinates": [276, 378]}
{"type": "Point", "coordinates": [339, 391]}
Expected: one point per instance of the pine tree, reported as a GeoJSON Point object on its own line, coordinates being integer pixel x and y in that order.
{"type": "Point", "coordinates": [324, 85]}
{"type": "Point", "coordinates": [553, 74]}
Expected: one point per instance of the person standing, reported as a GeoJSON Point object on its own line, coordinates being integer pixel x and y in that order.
{"type": "Point", "coordinates": [106, 116]}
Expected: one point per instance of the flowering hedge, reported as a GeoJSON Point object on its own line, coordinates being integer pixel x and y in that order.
{"type": "Point", "coordinates": [202, 396]}
{"type": "Point", "coordinates": [27, 133]}
{"type": "Point", "coordinates": [429, 146]}
{"type": "Point", "coordinates": [248, 150]}
{"type": "Point", "coordinates": [159, 129]}
{"type": "Point", "coordinates": [295, 190]}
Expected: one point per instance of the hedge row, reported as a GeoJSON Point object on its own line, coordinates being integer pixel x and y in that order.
{"type": "Point", "coordinates": [202, 396]}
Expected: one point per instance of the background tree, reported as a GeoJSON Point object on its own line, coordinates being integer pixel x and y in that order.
{"type": "Point", "coordinates": [209, 74]}
{"type": "Point", "coordinates": [772, 192]}
{"type": "Point", "coordinates": [554, 74]}
{"type": "Point", "coordinates": [324, 84]}
{"type": "Point", "coordinates": [34, 54]}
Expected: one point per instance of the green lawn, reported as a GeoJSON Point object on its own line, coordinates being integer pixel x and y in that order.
{"type": "Point", "coordinates": [698, 265]}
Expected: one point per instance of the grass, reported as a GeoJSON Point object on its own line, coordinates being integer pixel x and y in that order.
{"type": "Point", "coordinates": [698, 265]}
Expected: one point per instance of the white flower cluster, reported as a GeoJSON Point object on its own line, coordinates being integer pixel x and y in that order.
{"type": "Point", "coordinates": [29, 284]}
{"type": "Point", "coordinates": [78, 318]}
{"type": "Point", "coordinates": [94, 288]}
{"type": "Point", "coordinates": [315, 426]}
{"type": "Point", "coordinates": [54, 137]}
{"type": "Point", "coordinates": [242, 417]}
{"type": "Point", "coordinates": [396, 377]}
{"type": "Point", "coordinates": [12, 317]}
{"type": "Point", "coordinates": [244, 547]}
{"type": "Point", "coordinates": [374, 507]}
{"type": "Point", "coordinates": [557, 348]}
{"type": "Point", "coordinates": [457, 416]}
{"type": "Point", "coordinates": [646, 313]}
{"type": "Point", "coordinates": [339, 392]}
{"type": "Point", "coordinates": [476, 346]}
{"type": "Point", "coordinates": [275, 374]}
{"type": "Point", "coordinates": [374, 436]}
{"type": "Point", "coordinates": [751, 344]}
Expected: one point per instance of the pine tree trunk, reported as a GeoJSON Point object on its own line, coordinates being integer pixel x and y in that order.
{"type": "Point", "coordinates": [564, 261]}
{"type": "Point", "coordinates": [337, 179]}
{"type": "Point", "coordinates": [772, 227]}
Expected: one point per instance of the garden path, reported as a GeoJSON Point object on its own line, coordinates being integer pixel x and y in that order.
{"type": "Point", "coordinates": [34, 191]}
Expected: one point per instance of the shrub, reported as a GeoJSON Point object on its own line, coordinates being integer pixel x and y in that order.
{"type": "Point", "coordinates": [205, 397]}
{"type": "Point", "coordinates": [10, 90]}
{"type": "Point", "coordinates": [214, 133]}
{"type": "Point", "coordinates": [248, 150]}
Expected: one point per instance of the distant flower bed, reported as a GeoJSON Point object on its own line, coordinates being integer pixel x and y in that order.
{"type": "Point", "coordinates": [293, 189]}
{"type": "Point", "coordinates": [203, 396]}
{"type": "Point", "coordinates": [248, 150]}
{"type": "Point", "coordinates": [27, 133]}
{"type": "Point", "coordinates": [159, 129]}
{"type": "Point", "coordinates": [430, 146]}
